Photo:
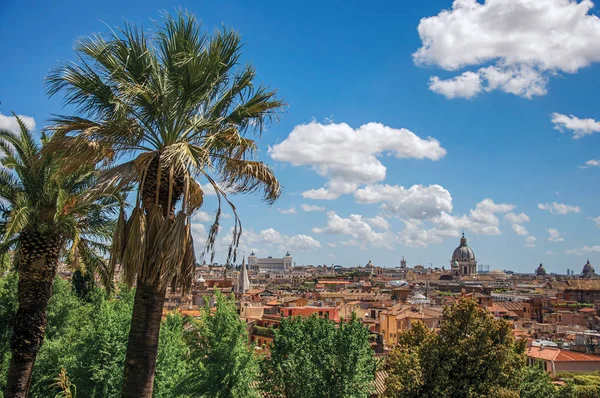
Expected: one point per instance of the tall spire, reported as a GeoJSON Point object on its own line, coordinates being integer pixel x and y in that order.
{"type": "Point", "coordinates": [243, 284]}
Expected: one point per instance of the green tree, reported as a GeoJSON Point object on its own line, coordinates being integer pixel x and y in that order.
{"type": "Point", "coordinates": [45, 213]}
{"type": "Point", "coordinates": [537, 383]}
{"type": "Point", "coordinates": [315, 357]}
{"type": "Point", "coordinates": [8, 309]}
{"type": "Point", "coordinates": [222, 362]}
{"type": "Point", "coordinates": [472, 355]}
{"type": "Point", "coordinates": [179, 104]}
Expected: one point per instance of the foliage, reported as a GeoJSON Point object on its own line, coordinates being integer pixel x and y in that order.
{"type": "Point", "coordinates": [222, 363]}
{"type": "Point", "coordinates": [173, 363]}
{"type": "Point", "coordinates": [537, 383]}
{"type": "Point", "coordinates": [64, 386]}
{"type": "Point", "coordinates": [8, 309]}
{"type": "Point", "coordinates": [472, 355]}
{"type": "Point", "coordinates": [314, 357]}
{"type": "Point", "coordinates": [83, 283]}
{"type": "Point", "coordinates": [580, 385]}
{"type": "Point", "coordinates": [88, 339]}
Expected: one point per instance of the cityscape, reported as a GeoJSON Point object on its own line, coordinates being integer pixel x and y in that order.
{"type": "Point", "coordinates": [300, 200]}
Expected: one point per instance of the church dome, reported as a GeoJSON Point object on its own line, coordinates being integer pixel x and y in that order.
{"type": "Point", "coordinates": [540, 271]}
{"type": "Point", "coordinates": [588, 269]}
{"type": "Point", "coordinates": [463, 252]}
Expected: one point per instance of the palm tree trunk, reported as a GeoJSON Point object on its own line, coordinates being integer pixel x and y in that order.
{"type": "Point", "coordinates": [38, 260]}
{"type": "Point", "coordinates": [142, 348]}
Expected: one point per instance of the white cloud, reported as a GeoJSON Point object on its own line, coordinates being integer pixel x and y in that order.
{"type": "Point", "coordinates": [559, 208]}
{"type": "Point", "coordinates": [579, 127]}
{"type": "Point", "coordinates": [597, 221]}
{"type": "Point", "coordinates": [520, 218]}
{"type": "Point", "coordinates": [271, 237]}
{"type": "Point", "coordinates": [302, 243]}
{"type": "Point", "coordinates": [554, 235]}
{"type": "Point", "coordinates": [349, 157]}
{"type": "Point", "coordinates": [378, 222]}
{"type": "Point", "coordinates": [530, 241]}
{"type": "Point", "coordinates": [202, 216]}
{"type": "Point", "coordinates": [520, 230]}
{"type": "Point", "coordinates": [582, 251]}
{"type": "Point", "coordinates": [591, 163]}
{"type": "Point", "coordinates": [291, 210]}
{"type": "Point", "coordinates": [309, 208]}
{"type": "Point", "coordinates": [525, 42]}
{"type": "Point", "coordinates": [357, 228]}
{"type": "Point", "coordinates": [332, 245]}
{"type": "Point", "coordinates": [466, 85]}
{"type": "Point", "coordinates": [418, 201]}
{"type": "Point", "coordinates": [208, 189]}
{"type": "Point", "coordinates": [550, 253]}
{"type": "Point", "coordinates": [10, 123]}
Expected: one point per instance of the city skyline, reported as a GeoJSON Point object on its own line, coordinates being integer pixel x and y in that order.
{"type": "Point", "coordinates": [396, 138]}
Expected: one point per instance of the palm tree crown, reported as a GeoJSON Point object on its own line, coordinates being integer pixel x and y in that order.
{"type": "Point", "coordinates": [37, 198]}
{"type": "Point", "coordinates": [178, 105]}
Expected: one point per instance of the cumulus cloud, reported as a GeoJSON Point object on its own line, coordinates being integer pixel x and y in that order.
{"type": "Point", "coordinates": [291, 210]}
{"type": "Point", "coordinates": [202, 216]}
{"type": "Point", "coordinates": [525, 42]}
{"type": "Point", "coordinates": [418, 201]}
{"type": "Point", "coordinates": [554, 235]}
{"type": "Point", "coordinates": [597, 221]}
{"type": "Point", "coordinates": [271, 237]}
{"type": "Point", "coordinates": [530, 241]}
{"type": "Point", "coordinates": [579, 127]}
{"type": "Point", "coordinates": [582, 251]}
{"type": "Point", "coordinates": [358, 228]}
{"type": "Point", "coordinates": [378, 222]}
{"type": "Point", "coordinates": [466, 85]}
{"type": "Point", "coordinates": [591, 163]}
{"type": "Point", "coordinates": [10, 123]}
{"type": "Point", "coordinates": [309, 208]}
{"type": "Point", "coordinates": [520, 218]}
{"type": "Point", "coordinates": [520, 230]}
{"type": "Point", "coordinates": [349, 157]}
{"type": "Point", "coordinates": [302, 243]}
{"type": "Point", "coordinates": [559, 208]}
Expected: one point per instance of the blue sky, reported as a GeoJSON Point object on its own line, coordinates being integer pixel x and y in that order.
{"type": "Point", "coordinates": [479, 118]}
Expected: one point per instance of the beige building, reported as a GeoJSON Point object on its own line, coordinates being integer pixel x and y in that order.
{"type": "Point", "coordinates": [402, 316]}
{"type": "Point", "coordinates": [270, 264]}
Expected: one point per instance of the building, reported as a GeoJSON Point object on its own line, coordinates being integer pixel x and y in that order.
{"type": "Point", "coordinates": [463, 261]}
{"type": "Point", "coordinates": [400, 317]}
{"type": "Point", "coordinates": [540, 271]}
{"type": "Point", "coordinates": [270, 264]}
{"type": "Point", "coordinates": [555, 360]}
{"type": "Point", "coordinates": [588, 271]}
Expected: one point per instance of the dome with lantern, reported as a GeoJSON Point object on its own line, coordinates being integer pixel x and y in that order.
{"type": "Point", "coordinates": [463, 252]}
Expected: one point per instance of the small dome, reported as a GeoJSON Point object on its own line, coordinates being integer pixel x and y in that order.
{"type": "Point", "coordinates": [588, 269]}
{"type": "Point", "coordinates": [369, 264]}
{"type": "Point", "coordinates": [463, 252]}
{"type": "Point", "coordinates": [540, 271]}
{"type": "Point", "coordinates": [200, 280]}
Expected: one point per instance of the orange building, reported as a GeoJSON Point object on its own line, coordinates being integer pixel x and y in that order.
{"type": "Point", "coordinates": [306, 311]}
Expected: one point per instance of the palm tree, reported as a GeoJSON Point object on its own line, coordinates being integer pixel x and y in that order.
{"type": "Point", "coordinates": [179, 106]}
{"type": "Point", "coordinates": [45, 214]}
